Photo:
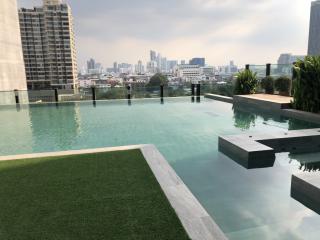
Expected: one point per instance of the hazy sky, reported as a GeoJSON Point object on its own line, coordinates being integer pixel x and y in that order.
{"type": "Point", "coordinates": [246, 31]}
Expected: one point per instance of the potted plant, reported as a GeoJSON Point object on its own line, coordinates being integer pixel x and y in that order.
{"type": "Point", "coordinates": [246, 83]}
{"type": "Point", "coordinates": [282, 85]}
{"type": "Point", "coordinates": [267, 84]}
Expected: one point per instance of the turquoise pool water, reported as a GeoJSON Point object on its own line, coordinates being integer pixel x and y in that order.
{"type": "Point", "coordinates": [247, 204]}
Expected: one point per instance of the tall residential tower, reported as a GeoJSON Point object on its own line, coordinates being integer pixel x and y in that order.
{"type": "Point", "coordinates": [314, 32]}
{"type": "Point", "coordinates": [12, 73]}
{"type": "Point", "coordinates": [49, 46]}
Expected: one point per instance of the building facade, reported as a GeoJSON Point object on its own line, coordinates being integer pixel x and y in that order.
{"type": "Point", "coordinates": [314, 31]}
{"type": "Point", "coordinates": [288, 58]}
{"type": "Point", "coordinates": [49, 46]}
{"type": "Point", "coordinates": [188, 72]}
{"type": "Point", "coordinates": [12, 72]}
{"type": "Point", "coordinates": [198, 61]}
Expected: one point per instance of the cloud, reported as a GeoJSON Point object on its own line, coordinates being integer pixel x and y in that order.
{"type": "Point", "coordinates": [220, 30]}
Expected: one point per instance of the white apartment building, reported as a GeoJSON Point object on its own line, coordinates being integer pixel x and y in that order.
{"type": "Point", "coordinates": [188, 72]}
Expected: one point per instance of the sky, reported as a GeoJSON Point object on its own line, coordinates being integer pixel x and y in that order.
{"type": "Point", "coordinates": [246, 31]}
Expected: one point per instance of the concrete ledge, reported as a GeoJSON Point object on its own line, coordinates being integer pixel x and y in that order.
{"type": "Point", "coordinates": [194, 218]}
{"type": "Point", "coordinates": [258, 150]}
{"type": "Point", "coordinates": [219, 98]}
{"type": "Point", "coordinates": [305, 188]}
{"type": "Point", "coordinates": [246, 152]}
{"type": "Point", "coordinates": [261, 103]}
{"type": "Point", "coordinates": [301, 115]}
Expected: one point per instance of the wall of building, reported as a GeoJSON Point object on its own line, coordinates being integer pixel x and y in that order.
{"type": "Point", "coordinates": [12, 72]}
{"type": "Point", "coordinates": [314, 32]}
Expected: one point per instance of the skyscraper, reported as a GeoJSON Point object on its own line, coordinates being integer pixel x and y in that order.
{"type": "Point", "coordinates": [198, 61]}
{"type": "Point", "coordinates": [115, 67]}
{"type": "Point", "coordinates": [153, 55]}
{"type": "Point", "coordinates": [49, 46]}
{"type": "Point", "coordinates": [12, 73]}
{"type": "Point", "coordinates": [91, 64]}
{"type": "Point", "coordinates": [314, 31]}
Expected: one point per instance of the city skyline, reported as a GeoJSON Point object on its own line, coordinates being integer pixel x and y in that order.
{"type": "Point", "coordinates": [125, 31]}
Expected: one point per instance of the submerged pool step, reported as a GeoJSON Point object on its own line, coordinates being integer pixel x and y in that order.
{"type": "Point", "coordinates": [305, 188]}
{"type": "Point", "coordinates": [258, 150]}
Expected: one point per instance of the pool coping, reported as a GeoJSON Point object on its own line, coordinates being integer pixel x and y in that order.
{"type": "Point", "coordinates": [258, 150]}
{"type": "Point", "coordinates": [194, 218]}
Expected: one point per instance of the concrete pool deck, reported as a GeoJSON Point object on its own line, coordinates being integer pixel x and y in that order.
{"type": "Point", "coordinates": [194, 218]}
{"type": "Point", "coordinates": [267, 101]}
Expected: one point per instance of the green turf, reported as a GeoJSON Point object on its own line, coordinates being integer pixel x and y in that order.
{"type": "Point", "coordinates": [95, 196]}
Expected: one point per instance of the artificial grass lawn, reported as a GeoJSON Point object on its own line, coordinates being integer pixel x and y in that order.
{"type": "Point", "coordinates": [95, 196]}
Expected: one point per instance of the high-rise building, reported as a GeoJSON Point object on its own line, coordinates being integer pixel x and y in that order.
{"type": "Point", "coordinates": [171, 65]}
{"type": "Point", "coordinates": [288, 58]}
{"type": "Point", "coordinates": [12, 72]}
{"type": "Point", "coordinates": [91, 64]}
{"type": "Point", "coordinates": [139, 68]}
{"type": "Point", "coordinates": [153, 55]}
{"type": "Point", "coordinates": [198, 61]}
{"type": "Point", "coordinates": [49, 46]}
{"type": "Point", "coordinates": [314, 31]}
{"type": "Point", "coordinates": [115, 67]}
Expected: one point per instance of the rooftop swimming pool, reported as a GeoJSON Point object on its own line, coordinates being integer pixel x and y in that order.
{"type": "Point", "coordinates": [246, 204]}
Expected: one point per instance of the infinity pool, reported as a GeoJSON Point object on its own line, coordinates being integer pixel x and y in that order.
{"type": "Point", "coordinates": [246, 204]}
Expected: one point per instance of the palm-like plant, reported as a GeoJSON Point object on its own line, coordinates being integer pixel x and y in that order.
{"type": "Point", "coordinates": [246, 83]}
{"type": "Point", "coordinates": [306, 84]}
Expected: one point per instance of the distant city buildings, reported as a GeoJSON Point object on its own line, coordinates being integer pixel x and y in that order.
{"type": "Point", "coordinates": [314, 31]}
{"type": "Point", "coordinates": [49, 46]}
{"type": "Point", "coordinates": [159, 64]}
{"type": "Point", "coordinates": [139, 68]}
{"type": "Point", "coordinates": [288, 58]}
{"type": "Point", "coordinates": [188, 72]}
{"type": "Point", "coordinates": [93, 67]}
{"type": "Point", "coordinates": [198, 61]}
{"type": "Point", "coordinates": [12, 72]}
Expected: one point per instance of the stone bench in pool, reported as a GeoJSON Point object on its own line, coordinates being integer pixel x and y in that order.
{"type": "Point", "coordinates": [258, 150]}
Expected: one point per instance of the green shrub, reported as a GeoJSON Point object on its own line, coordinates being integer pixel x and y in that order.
{"type": "Point", "coordinates": [306, 85]}
{"type": "Point", "coordinates": [282, 84]}
{"type": "Point", "coordinates": [267, 84]}
{"type": "Point", "coordinates": [246, 83]}
{"type": "Point", "coordinates": [157, 80]}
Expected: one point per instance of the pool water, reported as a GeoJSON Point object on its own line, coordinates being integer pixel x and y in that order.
{"type": "Point", "coordinates": [246, 204]}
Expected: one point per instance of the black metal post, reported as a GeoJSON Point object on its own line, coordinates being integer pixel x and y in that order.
{"type": "Point", "coordinates": [16, 95]}
{"type": "Point", "coordinates": [56, 95]}
{"type": "Point", "coordinates": [129, 92]}
{"type": "Point", "coordinates": [192, 89]}
{"type": "Point", "coordinates": [247, 66]}
{"type": "Point", "coordinates": [161, 91]}
{"type": "Point", "coordinates": [93, 89]}
{"type": "Point", "coordinates": [268, 70]}
{"type": "Point", "coordinates": [198, 90]}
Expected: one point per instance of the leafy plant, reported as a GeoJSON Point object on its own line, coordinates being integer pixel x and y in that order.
{"type": "Point", "coordinates": [282, 84]}
{"type": "Point", "coordinates": [306, 84]}
{"type": "Point", "coordinates": [267, 84]}
{"type": "Point", "coordinates": [246, 82]}
{"type": "Point", "coordinates": [157, 80]}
